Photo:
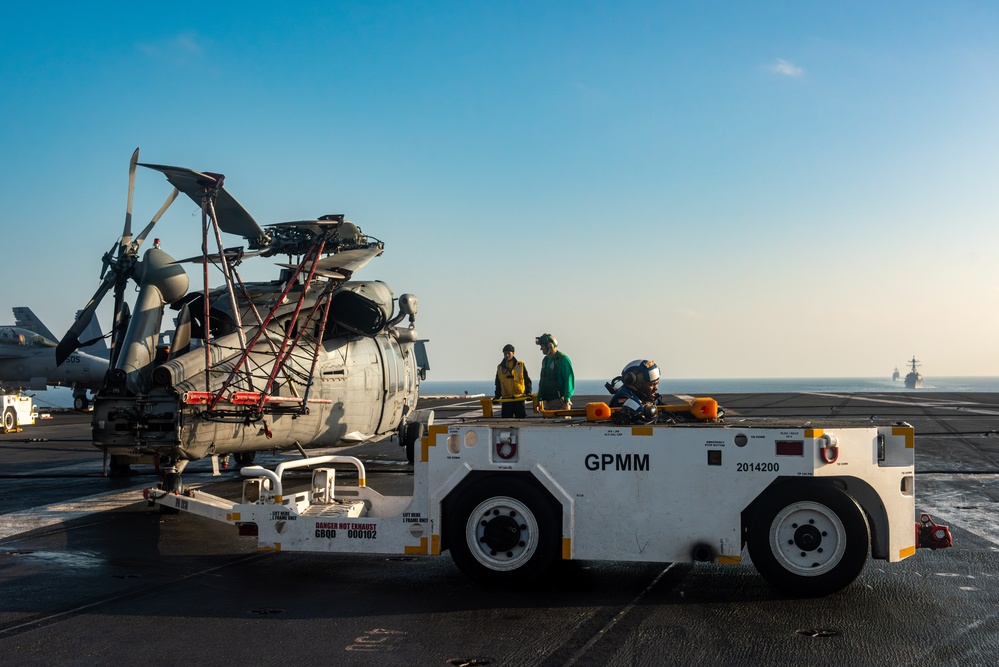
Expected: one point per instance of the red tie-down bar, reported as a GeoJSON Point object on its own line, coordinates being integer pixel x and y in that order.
{"type": "Point", "coordinates": [244, 398]}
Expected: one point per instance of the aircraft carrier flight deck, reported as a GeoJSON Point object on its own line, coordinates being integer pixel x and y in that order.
{"type": "Point", "coordinates": [89, 574]}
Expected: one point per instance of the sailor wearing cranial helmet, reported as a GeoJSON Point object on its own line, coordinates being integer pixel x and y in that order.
{"type": "Point", "coordinates": [558, 382]}
{"type": "Point", "coordinates": [638, 396]}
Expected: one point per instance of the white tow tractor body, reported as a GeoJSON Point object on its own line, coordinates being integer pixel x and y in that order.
{"type": "Point", "coordinates": [17, 412]}
{"type": "Point", "coordinates": [508, 498]}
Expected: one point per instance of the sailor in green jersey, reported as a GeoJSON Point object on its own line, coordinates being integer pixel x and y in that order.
{"type": "Point", "coordinates": [557, 383]}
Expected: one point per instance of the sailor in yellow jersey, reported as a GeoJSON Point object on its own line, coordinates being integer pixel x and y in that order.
{"type": "Point", "coordinates": [512, 381]}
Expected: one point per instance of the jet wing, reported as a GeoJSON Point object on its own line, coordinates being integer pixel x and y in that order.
{"type": "Point", "coordinates": [232, 217]}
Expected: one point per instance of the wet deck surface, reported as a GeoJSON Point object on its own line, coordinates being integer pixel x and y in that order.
{"type": "Point", "coordinates": [89, 575]}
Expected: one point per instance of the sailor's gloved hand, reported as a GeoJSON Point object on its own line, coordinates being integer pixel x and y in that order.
{"type": "Point", "coordinates": [665, 418]}
{"type": "Point", "coordinates": [649, 410]}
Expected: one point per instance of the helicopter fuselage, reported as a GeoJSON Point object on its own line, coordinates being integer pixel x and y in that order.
{"type": "Point", "coordinates": [354, 387]}
{"type": "Point", "coordinates": [363, 388]}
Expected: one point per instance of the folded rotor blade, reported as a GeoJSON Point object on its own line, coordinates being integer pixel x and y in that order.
{"type": "Point", "coordinates": [349, 260]}
{"type": "Point", "coordinates": [181, 343]}
{"type": "Point", "coordinates": [343, 264]}
{"type": "Point", "coordinates": [231, 255]}
{"type": "Point", "coordinates": [335, 275]}
{"type": "Point", "coordinates": [122, 315]}
{"type": "Point", "coordinates": [106, 260]}
{"type": "Point", "coordinates": [145, 232]}
{"type": "Point", "coordinates": [232, 217]}
{"type": "Point", "coordinates": [71, 340]}
{"type": "Point", "coordinates": [119, 305]}
{"type": "Point", "coordinates": [126, 234]}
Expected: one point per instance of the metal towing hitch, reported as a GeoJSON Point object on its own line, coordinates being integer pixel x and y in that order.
{"type": "Point", "coordinates": [931, 536]}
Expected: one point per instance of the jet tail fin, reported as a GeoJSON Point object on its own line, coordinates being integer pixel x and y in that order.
{"type": "Point", "coordinates": [95, 337]}
{"type": "Point", "coordinates": [25, 319]}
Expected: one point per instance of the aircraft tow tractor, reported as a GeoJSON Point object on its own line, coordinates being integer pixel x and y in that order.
{"type": "Point", "coordinates": [17, 411]}
{"type": "Point", "coordinates": [809, 501]}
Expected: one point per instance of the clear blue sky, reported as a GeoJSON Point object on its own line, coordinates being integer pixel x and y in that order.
{"type": "Point", "coordinates": [734, 189]}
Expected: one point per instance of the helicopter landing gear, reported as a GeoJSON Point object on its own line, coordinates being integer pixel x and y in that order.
{"type": "Point", "coordinates": [244, 458]}
{"type": "Point", "coordinates": [172, 482]}
{"type": "Point", "coordinates": [119, 466]}
{"type": "Point", "coordinates": [414, 431]}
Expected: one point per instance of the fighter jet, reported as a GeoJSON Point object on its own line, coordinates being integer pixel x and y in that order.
{"type": "Point", "coordinates": [28, 358]}
{"type": "Point", "coordinates": [313, 357]}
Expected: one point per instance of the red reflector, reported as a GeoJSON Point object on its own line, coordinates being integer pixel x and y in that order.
{"type": "Point", "coordinates": [790, 447]}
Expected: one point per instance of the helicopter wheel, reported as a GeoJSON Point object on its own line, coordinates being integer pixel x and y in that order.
{"type": "Point", "coordinates": [414, 431]}
{"type": "Point", "coordinates": [172, 483]}
{"type": "Point", "coordinates": [119, 467]}
{"type": "Point", "coordinates": [244, 458]}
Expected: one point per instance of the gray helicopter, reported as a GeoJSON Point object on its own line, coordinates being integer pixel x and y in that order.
{"type": "Point", "coordinates": [311, 358]}
{"type": "Point", "coordinates": [28, 358]}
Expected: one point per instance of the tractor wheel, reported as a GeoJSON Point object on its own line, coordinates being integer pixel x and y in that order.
{"type": "Point", "coordinates": [504, 531]}
{"type": "Point", "coordinates": [9, 420]}
{"type": "Point", "coordinates": [809, 539]}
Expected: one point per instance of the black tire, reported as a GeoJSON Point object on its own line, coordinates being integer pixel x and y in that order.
{"type": "Point", "coordinates": [172, 483]}
{"type": "Point", "coordinates": [9, 420]}
{"type": "Point", "coordinates": [414, 431]}
{"type": "Point", "coordinates": [80, 403]}
{"type": "Point", "coordinates": [504, 530]}
{"type": "Point", "coordinates": [244, 458]}
{"type": "Point", "coordinates": [119, 466]}
{"type": "Point", "coordinates": [809, 539]}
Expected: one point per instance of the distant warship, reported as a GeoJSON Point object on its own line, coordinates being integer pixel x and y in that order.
{"type": "Point", "coordinates": [913, 380]}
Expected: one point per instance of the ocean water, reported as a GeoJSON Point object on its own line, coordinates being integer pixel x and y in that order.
{"type": "Point", "coordinates": [745, 385]}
